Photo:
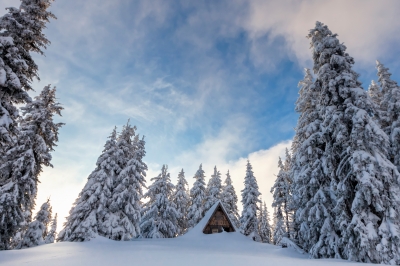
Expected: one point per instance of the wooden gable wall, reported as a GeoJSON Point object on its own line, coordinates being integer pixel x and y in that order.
{"type": "Point", "coordinates": [218, 222]}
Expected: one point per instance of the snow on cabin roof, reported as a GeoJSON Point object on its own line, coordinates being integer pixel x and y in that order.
{"type": "Point", "coordinates": [198, 229]}
{"type": "Point", "coordinates": [219, 222]}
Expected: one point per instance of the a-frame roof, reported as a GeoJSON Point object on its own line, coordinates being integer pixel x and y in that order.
{"type": "Point", "coordinates": [197, 230]}
{"type": "Point", "coordinates": [218, 206]}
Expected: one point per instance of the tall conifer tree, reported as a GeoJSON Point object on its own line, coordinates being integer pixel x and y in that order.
{"type": "Point", "coordinates": [21, 32]}
{"type": "Point", "coordinates": [213, 190]}
{"type": "Point", "coordinates": [390, 111]}
{"type": "Point", "coordinates": [279, 227]}
{"type": "Point", "coordinates": [38, 229]}
{"type": "Point", "coordinates": [86, 216]}
{"type": "Point", "coordinates": [181, 200]}
{"type": "Point", "coordinates": [281, 190]}
{"type": "Point", "coordinates": [229, 199]}
{"type": "Point", "coordinates": [311, 189]}
{"type": "Point", "coordinates": [363, 180]}
{"type": "Point", "coordinates": [250, 201]}
{"type": "Point", "coordinates": [110, 203]}
{"type": "Point", "coordinates": [160, 215]}
{"type": "Point", "coordinates": [51, 235]}
{"type": "Point", "coordinates": [23, 163]}
{"type": "Point", "coordinates": [375, 93]}
{"type": "Point", "coordinates": [197, 197]}
{"type": "Point", "coordinates": [265, 229]}
{"type": "Point", "coordinates": [122, 222]}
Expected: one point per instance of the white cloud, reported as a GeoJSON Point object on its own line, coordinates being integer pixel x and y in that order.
{"type": "Point", "coordinates": [230, 142]}
{"type": "Point", "coordinates": [368, 28]}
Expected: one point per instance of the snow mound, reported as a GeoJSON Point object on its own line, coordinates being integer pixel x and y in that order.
{"type": "Point", "coordinates": [214, 249]}
{"type": "Point", "coordinates": [194, 248]}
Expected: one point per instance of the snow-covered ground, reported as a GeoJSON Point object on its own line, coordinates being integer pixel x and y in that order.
{"type": "Point", "coordinates": [192, 249]}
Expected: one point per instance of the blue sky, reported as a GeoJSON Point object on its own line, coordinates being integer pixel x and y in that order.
{"type": "Point", "coordinates": [212, 82]}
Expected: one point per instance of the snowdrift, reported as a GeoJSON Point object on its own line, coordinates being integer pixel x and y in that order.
{"type": "Point", "coordinates": [194, 248]}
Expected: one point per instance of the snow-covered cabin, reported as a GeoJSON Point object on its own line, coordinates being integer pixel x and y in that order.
{"type": "Point", "coordinates": [217, 220]}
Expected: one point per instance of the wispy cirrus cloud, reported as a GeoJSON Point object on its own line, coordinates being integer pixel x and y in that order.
{"type": "Point", "coordinates": [368, 28]}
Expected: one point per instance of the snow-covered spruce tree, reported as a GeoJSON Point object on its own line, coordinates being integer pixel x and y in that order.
{"type": "Point", "coordinates": [122, 221]}
{"type": "Point", "coordinates": [375, 94]}
{"type": "Point", "coordinates": [86, 216]}
{"type": "Point", "coordinates": [126, 197]}
{"type": "Point", "coordinates": [181, 200]}
{"type": "Point", "coordinates": [37, 137]}
{"type": "Point", "coordinates": [260, 214]}
{"type": "Point", "coordinates": [390, 111]}
{"type": "Point", "coordinates": [229, 199]}
{"type": "Point", "coordinates": [279, 227]}
{"type": "Point", "coordinates": [281, 190]}
{"type": "Point", "coordinates": [197, 196]}
{"type": "Point", "coordinates": [213, 190]}
{"type": "Point", "coordinates": [306, 106]}
{"type": "Point", "coordinates": [21, 32]}
{"type": "Point", "coordinates": [26, 24]}
{"type": "Point", "coordinates": [37, 229]}
{"type": "Point", "coordinates": [14, 84]}
{"type": "Point", "coordinates": [250, 200]}
{"type": "Point", "coordinates": [51, 235]}
{"type": "Point", "coordinates": [311, 191]}
{"type": "Point", "coordinates": [17, 70]}
{"type": "Point", "coordinates": [265, 229]}
{"type": "Point", "coordinates": [160, 215]}
{"type": "Point", "coordinates": [363, 180]}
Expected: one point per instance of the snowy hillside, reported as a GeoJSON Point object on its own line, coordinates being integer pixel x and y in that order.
{"type": "Point", "coordinates": [192, 249]}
